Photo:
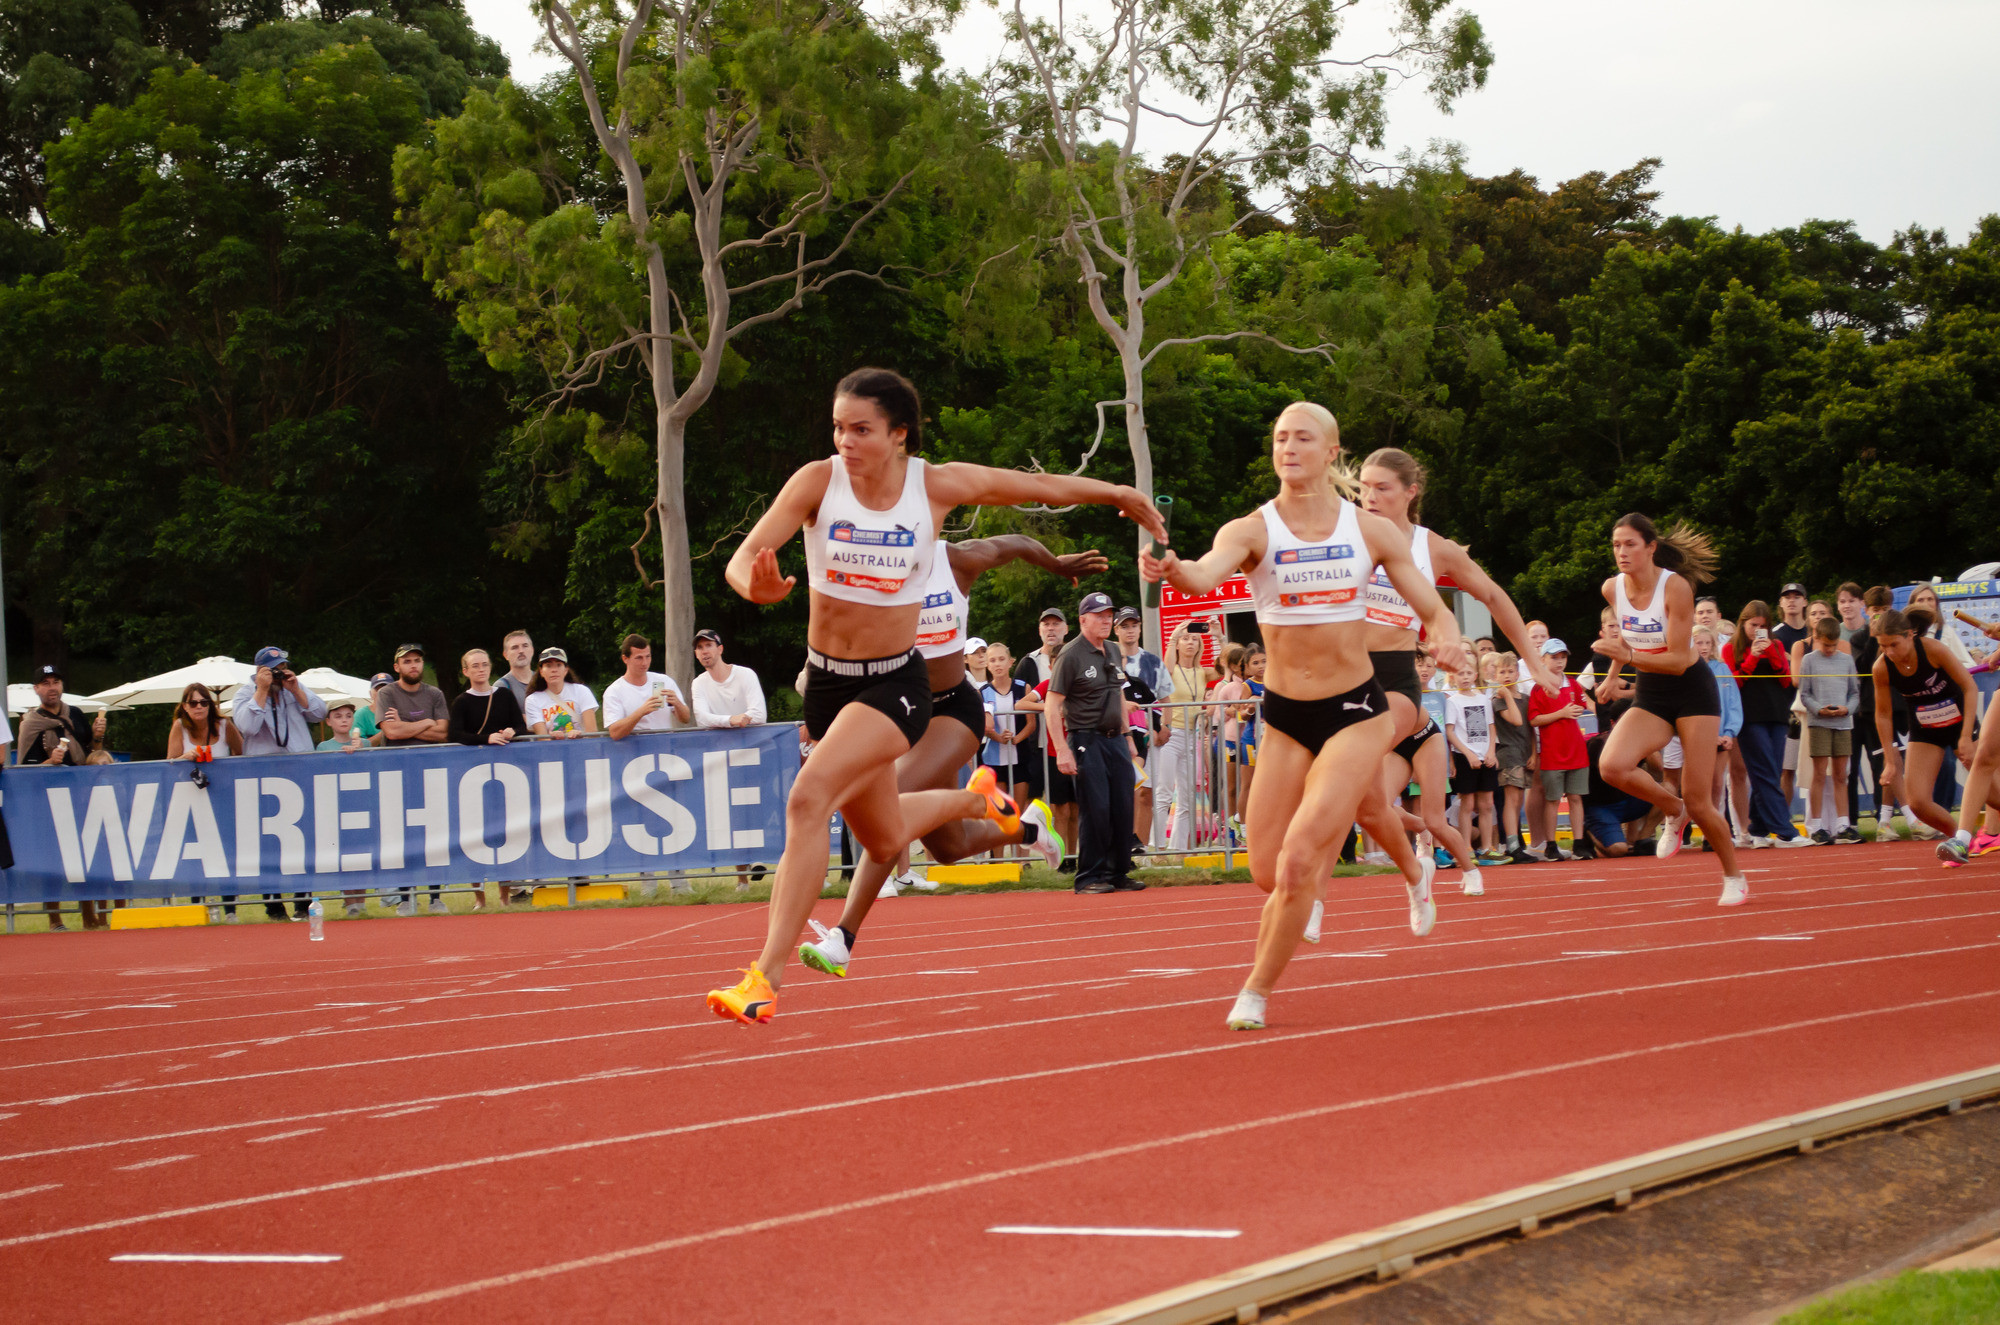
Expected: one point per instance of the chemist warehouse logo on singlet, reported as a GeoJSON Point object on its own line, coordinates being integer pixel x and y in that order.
{"type": "Point", "coordinates": [1653, 632]}
{"type": "Point", "coordinates": [1333, 584]}
{"type": "Point", "coordinates": [858, 569]}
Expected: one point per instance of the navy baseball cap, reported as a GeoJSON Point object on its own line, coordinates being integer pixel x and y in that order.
{"type": "Point", "coordinates": [1096, 602]}
{"type": "Point", "coordinates": [1127, 614]}
{"type": "Point", "coordinates": [271, 656]}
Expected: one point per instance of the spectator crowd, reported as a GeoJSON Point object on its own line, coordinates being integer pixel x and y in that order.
{"type": "Point", "coordinates": [1137, 753]}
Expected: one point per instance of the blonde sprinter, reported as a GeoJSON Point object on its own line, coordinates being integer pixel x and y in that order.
{"type": "Point", "coordinates": [1326, 725]}
{"type": "Point", "coordinates": [870, 514]}
{"type": "Point", "coordinates": [1653, 598]}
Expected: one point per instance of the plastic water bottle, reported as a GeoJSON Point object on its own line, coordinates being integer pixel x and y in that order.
{"type": "Point", "coordinates": [316, 921]}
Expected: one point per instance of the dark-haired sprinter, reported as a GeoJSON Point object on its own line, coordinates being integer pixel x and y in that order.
{"type": "Point", "coordinates": [1653, 596]}
{"type": "Point", "coordinates": [1307, 553]}
{"type": "Point", "coordinates": [1942, 697]}
{"type": "Point", "coordinates": [958, 724]}
{"type": "Point", "coordinates": [1392, 486]}
{"type": "Point", "coordinates": [871, 513]}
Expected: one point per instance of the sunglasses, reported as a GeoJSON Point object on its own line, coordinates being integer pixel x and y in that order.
{"type": "Point", "coordinates": [195, 703]}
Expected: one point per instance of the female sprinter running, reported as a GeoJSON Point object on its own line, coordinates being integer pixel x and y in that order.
{"type": "Point", "coordinates": [870, 515]}
{"type": "Point", "coordinates": [957, 728]}
{"type": "Point", "coordinates": [1653, 595]}
{"type": "Point", "coordinates": [1979, 783]}
{"type": "Point", "coordinates": [1308, 553]}
{"type": "Point", "coordinates": [1941, 696]}
{"type": "Point", "coordinates": [1392, 486]}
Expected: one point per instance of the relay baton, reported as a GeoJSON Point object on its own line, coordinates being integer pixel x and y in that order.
{"type": "Point", "coordinates": [1166, 507]}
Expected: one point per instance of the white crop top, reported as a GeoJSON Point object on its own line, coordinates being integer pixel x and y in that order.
{"type": "Point", "coordinates": [860, 555]}
{"type": "Point", "coordinates": [1644, 628]}
{"type": "Point", "coordinates": [1307, 583]}
{"type": "Point", "coordinates": [941, 625]}
{"type": "Point", "coordinates": [1386, 607]}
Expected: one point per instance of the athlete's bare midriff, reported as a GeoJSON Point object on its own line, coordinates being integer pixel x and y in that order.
{"type": "Point", "coordinates": [841, 629]}
{"type": "Point", "coordinates": [1314, 662]}
{"type": "Point", "coordinates": [1389, 639]}
{"type": "Point", "coordinates": [946, 672]}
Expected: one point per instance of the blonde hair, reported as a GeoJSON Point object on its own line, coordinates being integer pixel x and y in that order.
{"type": "Point", "coordinates": [1342, 479]}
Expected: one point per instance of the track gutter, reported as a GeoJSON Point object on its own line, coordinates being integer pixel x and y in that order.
{"type": "Point", "coordinates": [1383, 1253]}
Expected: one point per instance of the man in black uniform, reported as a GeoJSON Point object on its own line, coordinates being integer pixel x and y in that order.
{"type": "Point", "coordinates": [1087, 721]}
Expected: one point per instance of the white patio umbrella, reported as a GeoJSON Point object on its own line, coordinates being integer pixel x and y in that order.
{"type": "Point", "coordinates": [221, 675]}
{"type": "Point", "coordinates": [21, 698]}
{"type": "Point", "coordinates": [336, 687]}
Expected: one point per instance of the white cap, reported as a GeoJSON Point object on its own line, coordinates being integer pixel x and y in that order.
{"type": "Point", "coordinates": [973, 644]}
{"type": "Point", "coordinates": [1553, 647]}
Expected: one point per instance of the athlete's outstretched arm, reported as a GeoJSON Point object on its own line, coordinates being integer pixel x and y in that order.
{"type": "Point", "coordinates": [1389, 547]}
{"type": "Point", "coordinates": [1237, 544]}
{"type": "Point", "coordinates": [976, 556]}
{"type": "Point", "coordinates": [1448, 558]}
{"type": "Point", "coordinates": [961, 484]}
{"type": "Point", "coordinates": [753, 570]}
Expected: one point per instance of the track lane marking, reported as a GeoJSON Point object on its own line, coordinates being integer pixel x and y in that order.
{"type": "Point", "coordinates": [1237, 1044]}
{"type": "Point", "coordinates": [1150, 1145]}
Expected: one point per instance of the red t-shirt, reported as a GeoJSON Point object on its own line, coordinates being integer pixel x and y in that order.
{"type": "Point", "coordinates": [1562, 740]}
{"type": "Point", "coordinates": [1048, 732]}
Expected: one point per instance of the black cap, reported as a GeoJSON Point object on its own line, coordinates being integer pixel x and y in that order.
{"type": "Point", "coordinates": [48, 672]}
{"type": "Point", "coordinates": [1126, 614]}
{"type": "Point", "coordinates": [1094, 602]}
{"type": "Point", "coordinates": [1798, 589]}
{"type": "Point", "coordinates": [708, 635]}
{"type": "Point", "coordinates": [1055, 612]}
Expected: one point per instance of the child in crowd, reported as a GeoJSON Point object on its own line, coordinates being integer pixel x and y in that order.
{"type": "Point", "coordinates": [1565, 760]}
{"type": "Point", "coordinates": [1513, 743]}
{"type": "Point", "coordinates": [1475, 767]}
{"type": "Point", "coordinates": [1006, 730]}
{"type": "Point", "coordinates": [1828, 691]}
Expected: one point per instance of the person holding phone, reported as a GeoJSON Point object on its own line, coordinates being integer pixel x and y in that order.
{"type": "Point", "coordinates": [55, 733]}
{"type": "Point", "coordinates": [1762, 668]}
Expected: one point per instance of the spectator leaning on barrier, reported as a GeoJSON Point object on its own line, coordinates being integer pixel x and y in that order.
{"type": "Point", "coordinates": [558, 704]}
{"type": "Point", "coordinates": [518, 648]}
{"type": "Point", "coordinates": [340, 721]}
{"type": "Point", "coordinates": [411, 712]}
{"type": "Point", "coordinates": [642, 700]}
{"type": "Point", "coordinates": [485, 714]}
{"type": "Point", "coordinates": [1006, 730]}
{"type": "Point", "coordinates": [1565, 762]}
{"type": "Point", "coordinates": [1087, 717]}
{"type": "Point", "coordinates": [725, 694]}
{"type": "Point", "coordinates": [55, 733]}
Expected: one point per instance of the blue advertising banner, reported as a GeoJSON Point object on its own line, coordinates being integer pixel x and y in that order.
{"type": "Point", "coordinates": [414, 815]}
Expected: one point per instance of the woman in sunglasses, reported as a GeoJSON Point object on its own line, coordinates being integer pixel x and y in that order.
{"type": "Point", "coordinates": [200, 734]}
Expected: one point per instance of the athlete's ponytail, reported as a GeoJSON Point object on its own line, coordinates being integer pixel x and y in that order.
{"type": "Point", "coordinates": [1341, 478]}
{"type": "Point", "coordinates": [1681, 548]}
{"type": "Point", "coordinates": [1406, 468]}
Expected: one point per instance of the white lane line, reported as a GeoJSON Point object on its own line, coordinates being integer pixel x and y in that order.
{"type": "Point", "coordinates": [1169, 1055]}
{"type": "Point", "coordinates": [29, 1191]}
{"type": "Point", "coordinates": [225, 1258]}
{"type": "Point", "coordinates": [849, 1008]}
{"type": "Point", "coordinates": [1347, 954]}
{"type": "Point", "coordinates": [1027, 1170]}
{"type": "Point", "coordinates": [1784, 938]}
{"type": "Point", "coordinates": [956, 970]}
{"type": "Point", "coordinates": [1163, 970]}
{"type": "Point", "coordinates": [153, 1163]}
{"type": "Point", "coordinates": [1057, 1230]}
{"type": "Point", "coordinates": [946, 1012]}
{"type": "Point", "coordinates": [1599, 952]}
{"type": "Point", "coordinates": [229, 1053]}
{"type": "Point", "coordinates": [397, 1113]}
{"type": "Point", "coordinates": [138, 1007]}
{"type": "Point", "coordinates": [281, 1136]}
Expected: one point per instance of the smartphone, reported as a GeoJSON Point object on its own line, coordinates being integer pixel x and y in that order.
{"type": "Point", "coordinates": [1197, 628]}
{"type": "Point", "coordinates": [659, 688]}
{"type": "Point", "coordinates": [1763, 637]}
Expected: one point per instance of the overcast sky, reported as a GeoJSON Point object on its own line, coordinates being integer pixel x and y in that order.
{"type": "Point", "coordinates": [1765, 112]}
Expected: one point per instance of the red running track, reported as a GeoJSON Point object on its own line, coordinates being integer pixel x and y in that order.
{"type": "Point", "coordinates": [526, 1117]}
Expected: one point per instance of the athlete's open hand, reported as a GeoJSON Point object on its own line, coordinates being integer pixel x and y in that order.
{"type": "Point", "coordinates": [1138, 507]}
{"type": "Point", "coordinates": [1615, 649]}
{"type": "Point", "coordinates": [766, 584]}
{"type": "Point", "coordinates": [1075, 565]}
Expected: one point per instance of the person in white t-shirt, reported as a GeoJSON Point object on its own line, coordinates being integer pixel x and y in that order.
{"type": "Point", "coordinates": [643, 700]}
{"type": "Point", "coordinates": [1475, 761]}
{"type": "Point", "coordinates": [725, 694]}
{"type": "Point", "coordinates": [559, 705]}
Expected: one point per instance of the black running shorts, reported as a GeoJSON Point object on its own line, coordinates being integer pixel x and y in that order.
{"type": "Point", "coordinates": [898, 687]}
